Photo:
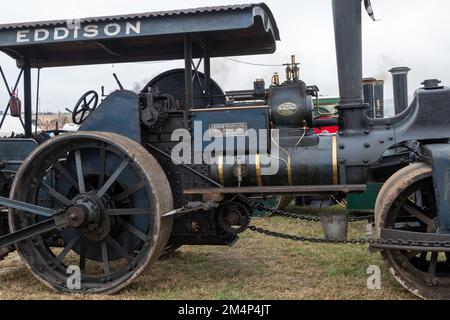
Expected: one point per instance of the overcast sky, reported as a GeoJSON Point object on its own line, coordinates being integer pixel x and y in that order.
{"type": "Point", "coordinates": [411, 33]}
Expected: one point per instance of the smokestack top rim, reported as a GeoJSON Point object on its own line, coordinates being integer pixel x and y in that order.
{"type": "Point", "coordinates": [373, 81]}
{"type": "Point", "coordinates": [399, 70]}
{"type": "Point", "coordinates": [369, 81]}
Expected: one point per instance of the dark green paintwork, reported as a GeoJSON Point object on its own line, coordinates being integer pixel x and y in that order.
{"type": "Point", "coordinates": [365, 201]}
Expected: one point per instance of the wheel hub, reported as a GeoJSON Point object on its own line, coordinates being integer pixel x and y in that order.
{"type": "Point", "coordinates": [233, 217]}
{"type": "Point", "coordinates": [76, 216]}
{"type": "Point", "coordinates": [88, 215]}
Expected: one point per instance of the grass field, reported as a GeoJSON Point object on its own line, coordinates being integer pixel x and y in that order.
{"type": "Point", "coordinates": [257, 267]}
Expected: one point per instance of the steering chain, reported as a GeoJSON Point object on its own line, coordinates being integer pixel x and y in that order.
{"type": "Point", "coordinates": [250, 203]}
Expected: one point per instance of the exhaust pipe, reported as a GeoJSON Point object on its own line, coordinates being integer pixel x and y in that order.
{"type": "Point", "coordinates": [400, 81]}
{"type": "Point", "coordinates": [348, 36]}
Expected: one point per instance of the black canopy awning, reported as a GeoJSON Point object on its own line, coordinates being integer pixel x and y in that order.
{"type": "Point", "coordinates": [224, 31]}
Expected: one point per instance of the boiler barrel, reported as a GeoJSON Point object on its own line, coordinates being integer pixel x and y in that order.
{"type": "Point", "coordinates": [310, 165]}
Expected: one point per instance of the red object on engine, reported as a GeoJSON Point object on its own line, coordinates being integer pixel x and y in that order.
{"type": "Point", "coordinates": [15, 105]}
{"type": "Point", "coordinates": [325, 130]}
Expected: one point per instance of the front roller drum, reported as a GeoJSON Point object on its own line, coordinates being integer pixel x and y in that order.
{"type": "Point", "coordinates": [111, 194]}
{"type": "Point", "coordinates": [407, 203]}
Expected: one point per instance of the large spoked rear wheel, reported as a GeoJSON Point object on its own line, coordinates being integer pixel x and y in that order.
{"type": "Point", "coordinates": [113, 194]}
{"type": "Point", "coordinates": [407, 202]}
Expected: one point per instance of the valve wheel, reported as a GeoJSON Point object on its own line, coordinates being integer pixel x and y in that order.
{"type": "Point", "coordinates": [111, 195]}
{"type": "Point", "coordinates": [85, 106]}
{"type": "Point", "coordinates": [407, 202]}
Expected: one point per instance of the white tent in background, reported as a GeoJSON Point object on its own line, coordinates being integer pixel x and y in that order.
{"type": "Point", "coordinates": [11, 125]}
{"type": "Point", "coordinates": [70, 127]}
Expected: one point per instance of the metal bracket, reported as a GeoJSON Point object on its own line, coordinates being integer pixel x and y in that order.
{"type": "Point", "coordinates": [414, 241]}
{"type": "Point", "coordinates": [10, 95]}
{"type": "Point", "coordinates": [191, 207]}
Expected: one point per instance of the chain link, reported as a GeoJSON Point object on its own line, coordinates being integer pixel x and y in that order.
{"type": "Point", "coordinates": [252, 204]}
{"type": "Point", "coordinates": [281, 213]}
{"type": "Point", "coordinates": [309, 239]}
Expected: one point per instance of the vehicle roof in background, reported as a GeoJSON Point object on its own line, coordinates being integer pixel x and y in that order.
{"type": "Point", "coordinates": [226, 30]}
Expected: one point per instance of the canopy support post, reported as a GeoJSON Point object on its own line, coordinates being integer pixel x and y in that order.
{"type": "Point", "coordinates": [27, 97]}
{"type": "Point", "coordinates": [37, 101]}
{"type": "Point", "coordinates": [207, 72]}
{"type": "Point", "coordinates": [189, 89]}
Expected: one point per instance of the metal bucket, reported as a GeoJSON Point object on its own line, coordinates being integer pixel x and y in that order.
{"type": "Point", "coordinates": [334, 225]}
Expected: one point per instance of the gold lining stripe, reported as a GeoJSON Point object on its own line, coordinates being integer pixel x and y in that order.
{"type": "Point", "coordinates": [335, 160]}
{"type": "Point", "coordinates": [258, 170]}
{"type": "Point", "coordinates": [220, 168]}
{"type": "Point", "coordinates": [289, 164]}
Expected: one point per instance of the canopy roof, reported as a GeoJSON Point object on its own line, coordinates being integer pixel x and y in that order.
{"type": "Point", "coordinates": [226, 31]}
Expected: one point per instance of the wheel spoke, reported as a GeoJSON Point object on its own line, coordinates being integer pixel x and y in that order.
{"type": "Point", "coordinates": [55, 194]}
{"type": "Point", "coordinates": [133, 230]}
{"type": "Point", "coordinates": [80, 175]}
{"type": "Point", "coordinates": [113, 178]}
{"type": "Point", "coordinates": [27, 233]}
{"type": "Point", "coordinates": [92, 99]}
{"type": "Point", "coordinates": [83, 249]}
{"type": "Point", "coordinates": [433, 263]}
{"type": "Point", "coordinates": [129, 212]}
{"type": "Point", "coordinates": [27, 207]}
{"type": "Point", "coordinates": [67, 175]}
{"type": "Point", "coordinates": [121, 197]}
{"type": "Point", "coordinates": [411, 254]}
{"type": "Point", "coordinates": [83, 113]}
{"type": "Point", "coordinates": [119, 249]}
{"type": "Point", "coordinates": [105, 258]}
{"type": "Point", "coordinates": [423, 256]}
{"type": "Point", "coordinates": [415, 211]}
{"type": "Point", "coordinates": [102, 165]}
{"type": "Point", "coordinates": [429, 196]}
{"type": "Point", "coordinates": [68, 247]}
